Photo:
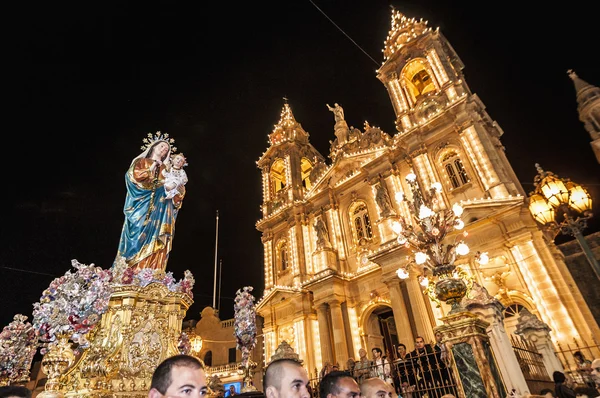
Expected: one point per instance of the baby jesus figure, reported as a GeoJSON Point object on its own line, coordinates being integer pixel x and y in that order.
{"type": "Point", "coordinates": [175, 176]}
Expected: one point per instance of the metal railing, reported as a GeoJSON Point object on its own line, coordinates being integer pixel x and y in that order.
{"type": "Point", "coordinates": [532, 364]}
{"type": "Point", "coordinates": [579, 372]}
{"type": "Point", "coordinates": [424, 376]}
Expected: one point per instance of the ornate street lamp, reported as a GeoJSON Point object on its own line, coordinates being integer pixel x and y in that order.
{"type": "Point", "coordinates": [428, 236]}
{"type": "Point", "coordinates": [195, 341]}
{"type": "Point", "coordinates": [562, 206]}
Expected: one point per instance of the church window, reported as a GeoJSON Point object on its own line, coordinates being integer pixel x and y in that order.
{"type": "Point", "coordinates": [278, 178]}
{"type": "Point", "coordinates": [305, 170]}
{"type": "Point", "coordinates": [361, 223]}
{"type": "Point", "coordinates": [513, 310]}
{"type": "Point", "coordinates": [282, 255]}
{"type": "Point", "coordinates": [455, 169]}
{"type": "Point", "coordinates": [208, 358]}
{"type": "Point", "coordinates": [232, 355]}
{"type": "Point", "coordinates": [418, 79]}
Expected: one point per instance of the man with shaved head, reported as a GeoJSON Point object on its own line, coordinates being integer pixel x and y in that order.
{"type": "Point", "coordinates": [286, 378]}
{"type": "Point", "coordinates": [376, 388]}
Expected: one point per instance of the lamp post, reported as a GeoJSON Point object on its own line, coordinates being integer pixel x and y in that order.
{"type": "Point", "coordinates": [562, 206]}
{"type": "Point", "coordinates": [427, 234]}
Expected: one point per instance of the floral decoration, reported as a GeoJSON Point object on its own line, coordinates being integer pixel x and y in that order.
{"type": "Point", "coordinates": [245, 322]}
{"type": "Point", "coordinates": [73, 303]}
{"type": "Point", "coordinates": [125, 275]}
{"type": "Point", "coordinates": [184, 345]}
{"type": "Point", "coordinates": [18, 344]}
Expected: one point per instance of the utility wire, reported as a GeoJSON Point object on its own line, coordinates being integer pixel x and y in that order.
{"type": "Point", "coordinates": [345, 34]}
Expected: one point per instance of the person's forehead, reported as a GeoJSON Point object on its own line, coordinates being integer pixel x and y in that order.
{"type": "Point", "coordinates": [292, 371]}
{"type": "Point", "coordinates": [375, 386]}
{"type": "Point", "coordinates": [185, 374]}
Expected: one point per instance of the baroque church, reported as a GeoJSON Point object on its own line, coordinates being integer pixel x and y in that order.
{"type": "Point", "coordinates": [331, 255]}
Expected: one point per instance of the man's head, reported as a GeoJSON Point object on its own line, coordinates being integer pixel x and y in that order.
{"type": "Point", "coordinates": [338, 384]}
{"type": "Point", "coordinates": [377, 352]}
{"type": "Point", "coordinates": [376, 388]}
{"type": "Point", "coordinates": [232, 389]}
{"type": "Point", "coordinates": [285, 378]}
{"type": "Point", "coordinates": [14, 392]}
{"type": "Point", "coordinates": [362, 353]}
{"type": "Point", "coordinates": [596, 370]}
{"type": "Point", "coordinates": [179, 376]}
{"type": "Point", "coordinates": [401, 349]}
{"type": "Point", "coordinates": [419, 343]}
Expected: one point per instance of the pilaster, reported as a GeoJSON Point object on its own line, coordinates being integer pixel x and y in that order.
{"type": "Point", "coordinates": [339, 333]}
{"type": "Point", "coordinates": [400, 311]}
{"type": "Point", "coordinates": [324, 334]}
{"type": "Point", "coordinates": [417, 304]}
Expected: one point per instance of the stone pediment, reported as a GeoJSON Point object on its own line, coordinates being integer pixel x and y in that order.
{"type": "Point", "coordinates": [478, 209]}
{"type": "Point", "coordinates": [278, 295]}
{"type": "Point", "coordinates": [347, 167]}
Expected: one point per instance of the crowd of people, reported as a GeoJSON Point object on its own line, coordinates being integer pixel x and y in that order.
{"type": "Point", "coordinates": [422, 372]}
{"type": "Point", "coordinates": [184, 376]}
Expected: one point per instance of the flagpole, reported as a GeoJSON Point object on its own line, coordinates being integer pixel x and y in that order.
{"type": "Point", "coordinates": [220, 271]}
{"type": "Point", "coordinates": [215, 279]}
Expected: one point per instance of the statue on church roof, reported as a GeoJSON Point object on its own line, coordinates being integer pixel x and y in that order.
{"type": "Point", "coordinates": [150, 214]}
{"type": "Point", "coordinates": [338, 112]}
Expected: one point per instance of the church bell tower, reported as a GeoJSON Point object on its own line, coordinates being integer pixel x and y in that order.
{"type": "Point", "coordinates": [434, 106]}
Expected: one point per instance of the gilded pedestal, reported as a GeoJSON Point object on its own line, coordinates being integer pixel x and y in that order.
{"type": "Point", "coordinates": [465, 337]}
{"type": "Point", "coordinates": [140, 329]}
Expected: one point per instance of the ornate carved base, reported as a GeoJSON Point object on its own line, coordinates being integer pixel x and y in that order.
{"type": "Point", "coordinates": [140, 329]}
{"type": "Point", "coordinates": [465, 337]}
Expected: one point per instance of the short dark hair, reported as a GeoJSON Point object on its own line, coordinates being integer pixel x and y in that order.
{"type": "Point", "coordinates": [558, 377]}
{"type": "Point", "coordinates": [329, 383]}
{"type": "Point", "coordinates": [377, 349]}
{"type": "Point", "coordinates": [274, 370]}
{"type": "Point", "coordinates": [161, 379]}
{"type": "Point", "coordinates": [17, 391]}
{"type": "Point", "coordinates": [546, 391]}
{"type": "Point", "coordinates": [400, 345]}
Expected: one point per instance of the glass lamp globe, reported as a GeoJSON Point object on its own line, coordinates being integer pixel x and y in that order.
{"type": "Point", "coordinates": [540, 209]}
{"type": "Point", "coordinates": [554, 190]}
{"type": "Point", "coordinates": [462, 249]}
{"type": "Point", "coordinates": [579, 199]}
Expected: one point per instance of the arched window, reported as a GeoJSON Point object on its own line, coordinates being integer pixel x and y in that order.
{"type": "Point", "coordinates": [455, 170]}
{"type": "Point", "coordinates": [278, 178]}
{"type": "Point", "coordinates": [282, 256]}
{"type": "Point", "coordinates": [208, 358]}
{"type": "Point", "coordinates": [418, 79]}
{"type": "Point", "coordinates": [305, 170]}
{"type": "Point", "coordinates": [361, 223]}
{"type": "Point", "coordinates": [513, 310]}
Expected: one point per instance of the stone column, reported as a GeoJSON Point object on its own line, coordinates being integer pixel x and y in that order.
{"type": "Point", "coordinates": [339, 333]}
{"type": "Point", "coordinates": [417, 305]}
{"type": "Point", "coordinates": [401, 319]}
{"type": "Point", "coordinates": [537, 332]}
{"type": "Point", "coordinates": [464, 335]}
{"type": "Point", "coordinates": [491, 310]}
{"type": "Point", "coordinates": [324, 334]}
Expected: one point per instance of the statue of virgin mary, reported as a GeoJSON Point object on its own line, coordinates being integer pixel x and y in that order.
{"type": "Point", "coordinates": [147, 235]}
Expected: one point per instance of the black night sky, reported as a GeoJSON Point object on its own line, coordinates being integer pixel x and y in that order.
{"type": "Point", "coordinates": [89, 80]}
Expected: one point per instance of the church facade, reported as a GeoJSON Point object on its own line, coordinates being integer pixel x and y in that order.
{"type": "Point", "coordinates": [330, 253]}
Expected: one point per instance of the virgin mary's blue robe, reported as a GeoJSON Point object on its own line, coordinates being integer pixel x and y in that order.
{"type": "Point", "coordinates": [149, 225]}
